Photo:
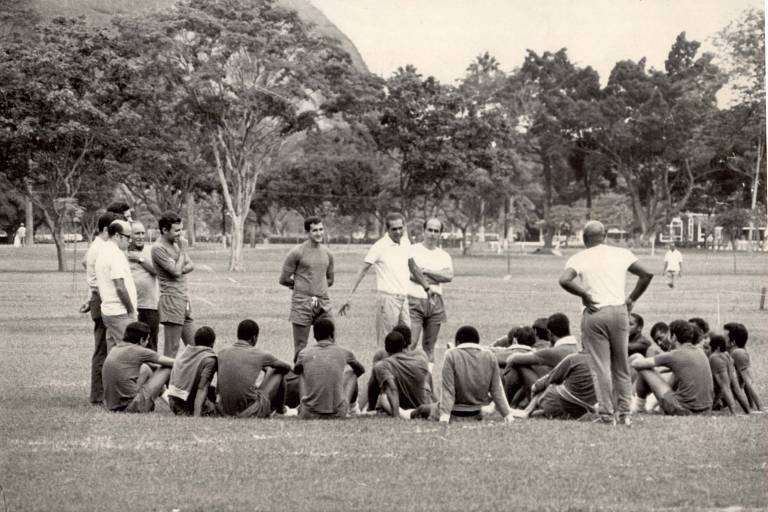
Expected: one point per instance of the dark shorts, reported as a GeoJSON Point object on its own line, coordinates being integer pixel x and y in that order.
{"type": "Point", "coordinates": [141, 403]}
{"type": "Point", "coordinates": [426, 311]}
{"type": "Point", "coordinates": [261, 407]}
{"type": "Point", "coordinates": [554, 405]}
{"type": "Point", "coordinates": [174, 310]}
{"type": "Point", "coordinates": [305, 310]}
{"type": "Point", "coordinates": [306, 414]}
{"type": "Point", "coordinates": [672, 406]}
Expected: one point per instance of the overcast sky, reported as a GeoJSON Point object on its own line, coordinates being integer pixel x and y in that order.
{"type": "Point", "coordinates": [441, 37]}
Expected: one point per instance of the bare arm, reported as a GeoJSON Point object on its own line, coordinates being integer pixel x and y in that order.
{"type": "Point", "coordinates": [136, 257]}
{"type": "Point", "coordinates": [282, 367]}
{"type": "Point", "coordinates": [188, 265]}
{"type": "Point", "coordinates": [330, 275]}
{"type": "Point", "coordinates": [175, 268]}
{"type": "Point", "coordinates": [643, 363]}
{"type": "Point", "coordinates": [746, 376]}
{"type": "Point", "coordinates": [417, 276]}
{"type": "Point", "coordinates": [358, 279]}
{"type": "Point", "coordinates": [444, 275]}
{"type": "Point", "coordinates": [123, 295]}
{"type": "Point", "coordinates": [644, 277]}
{"type": "Point", "coordinates": [724, 388]}
{"type": "Point", "coordinates": [202, 394]}
{"type": "Point", "coordinates": [568, 283]}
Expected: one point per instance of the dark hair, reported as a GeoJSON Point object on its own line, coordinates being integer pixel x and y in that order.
{"type": "Point", "coordinates": [639, 319]}
{"type": "Point", "coordinates": [311, 220]}
{"type": "Point", "coordinates": [559, 325]}
{"type": "Point", "coordinates": [659, 326]}
{"type": "Point", "coordinates": [717, 343]}
{"type": "Point", "coordinates": [700, 323]}
{"type": "Point", "coordinates": [394, 343]}
{"type": "Point", "coordinates": [525, 336]}
{"type": "Point", "coordinates": [737, 333]}
{"type": "Point", "coordinates": [135, 332]}
{"type": "Point", "coordinates": [323, 329]}
{"type": "Point", "coordinates": [467, 334]}
{"type": "Point", "coordinates": [391, 217]}
{"type": "Point", "coordinates": [247, 329]}
{"type": "Point", "coordinates": [683, 331]}
{"type": "Point", "coordinates": [432, 218]}
{"type": "Point", "coordinates": [167, 220]}
{"type": "Point", "coordinates": [205, 336]}
{"type": "Point", "coordinates": [106, 219]}
{"type": "Point", "coordinates": [115, 227]}
{"type": "Point", "coordinates": [119, 207]}
{"type": "Point", "coordinates": [405, 332]}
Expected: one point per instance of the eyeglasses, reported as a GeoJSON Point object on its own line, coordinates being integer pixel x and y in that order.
{"type": "Point", "coordinates": [396, 229]}
{"type": "Point", "coordinates": [430, 230]}
{"type": "Point", "coordinates": [125, 236]}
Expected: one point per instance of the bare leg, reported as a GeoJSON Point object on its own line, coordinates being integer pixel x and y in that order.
{"type": "Point", "coordinates": [273, 388]}
{"type": "Point", "coordinates": [172, 335]}
{"type": "Point", "coordinates": [157, 382]}
{"type": "Point", "coordinates": [300, 337]}
{"type": "Point", "coordinates": [655, 383]}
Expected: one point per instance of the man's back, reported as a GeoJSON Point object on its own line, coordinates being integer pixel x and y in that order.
{"type": "Point", "coordinates": [112, 264]}
{"type": "Point", "coordinates": [603, 270]}
{"type": "Point", "coordinates": [238, 368]}
{"type": "Point", "coordinates": [121, 373]}
{"type": "Point", "coordinates": [470, 373]}
{"type": "Point", "coordinates": [321, 367]}
{"type": "Point", "coordinates": [694, 388]}
{"type": "Point", "coordinates": [409, 372]}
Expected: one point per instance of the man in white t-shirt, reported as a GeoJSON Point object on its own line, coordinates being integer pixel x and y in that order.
{"type": "Point", "coordinates": [391, 259]}
{"type": "Point", "coordinates": [115, 281]}
{"type": "Point", "coordinates": [605, 325]}
{"type": "Point", "coordinates": [145, 277]}
{"type": "Point", "coordinates": [673, 264]}
{"type": "Point", "coordinates": [427, 310]}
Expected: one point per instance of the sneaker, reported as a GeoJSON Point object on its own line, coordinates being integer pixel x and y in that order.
{"type": "Point", "coordinates": [488, 410]}
{"type": "Point", "coordinates": [405, 413]}
{"type": "Point", "coordinates": [518, 413]}
{"type": "Point", "coordinates": [288, 412]}
{"type": "Point", "coordinates": [625, 420]}
{"type": "Point", "coordinates": [354, 410]}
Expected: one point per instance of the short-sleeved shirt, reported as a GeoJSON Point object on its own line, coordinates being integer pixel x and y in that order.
{"type": "Point", "coordinates": [147, 290]}
{"type": "Point", "coordinates": [321, 369]}
{"type": "Point", "coordinates": [390, 261]}
{"type": "Point", "coordinates": [90, 262]}
{"type": "Point", "coordinates": [740, 359]}
{"type": "Point", "coordinates": [430, 259]}
{"type": "Point", "coordinates": [720, 361]}
{"type": "Point", "coordinates": [164, 256]}
{"type": "Point", "coordinates": [575, 374]}
{"type": "Point", "coordinates": [120, 374]}
{"type": "Point", "coordinates": [407, 372]}
{"type": "Point", "coordinates": [111, 263]}
{"type": "Point", "coordinates": [694, 389]}
{"type": "Point", "coordinates": [311, 267]}
{"type": "Point", "coordinates": [205, 373]}
{"type": "Point", "coordinates": [673, 259]}
{"type": "Point", "coordinates": [603, 272]}
{"type": "Point", "coordinates": [239, 367]}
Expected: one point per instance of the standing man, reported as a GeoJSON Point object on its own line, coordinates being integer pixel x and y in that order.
{"type": "Point", "coordinates": [308, 271]}
{"type": "Point", "coordinates": [605, 324]}
{"type": "Point", "coordinates": [673, 264]}
{"type": "Point", "coordinates": [172, 265]}
{"type": "Point", "coordinates": [94, 306]}
{"type": "Point", "coordinates": [21, 236]}
{"type": "Point", "coordinates": [122, 209]}
{"type": "Point", "coordinates": [427, 311]}
{"type": "Point", "coordinates": [115, 281]}
{"type": "Point", "coordinates": [140, 258]}
{"type": "Point", "coordinates": [391, 259]}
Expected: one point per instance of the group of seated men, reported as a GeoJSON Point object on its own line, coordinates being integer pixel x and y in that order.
{"type": "Point", "coordinates": [532, 371]}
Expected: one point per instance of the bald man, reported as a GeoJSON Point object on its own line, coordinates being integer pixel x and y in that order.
{"type": "Point", "coordinates": [602, 272]}
{"type": "Point", "coordinates": [145, 277]}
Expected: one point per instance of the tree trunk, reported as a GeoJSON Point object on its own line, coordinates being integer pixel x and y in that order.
{"type": "Point", "coordinates": [30, 224]}
{"type": "Point", "coordinates": [547, 204]}
{"type": "Point", "coordinates": [57, 231]}
{"type": "Point", "coordinates": [236, 247]}
{"type": "Point", "coordinates": [190, 203]}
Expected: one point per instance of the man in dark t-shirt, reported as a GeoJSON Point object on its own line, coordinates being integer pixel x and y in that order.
{"type": "Point", "coordinates": [693, 389]}
{"type": "Point", "coordinates": [327, 386]}
{"type": "Point", "coordinates": [401, 377]}
{"type": "Point", "coordinates": [737, 341]}
{"type": "Point", "coordinates": [638, 343]}
{"type": "Point", "coordinates": [130, 383]}
{"type": "Point", "coordinates": [189, 391]}
{"type": "Point", "coordinates": [725, 379]}
{"type": "Point", "coordinates": [240, 366]}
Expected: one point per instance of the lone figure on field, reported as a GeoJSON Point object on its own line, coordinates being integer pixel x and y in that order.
{"type": "Point", "coordinates": [605, 325]}
{"type": "Point", "coordinates": [673, 265]}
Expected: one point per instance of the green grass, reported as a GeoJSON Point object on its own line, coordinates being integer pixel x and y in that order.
{"type": "Point", "coordinates": [59, 453]}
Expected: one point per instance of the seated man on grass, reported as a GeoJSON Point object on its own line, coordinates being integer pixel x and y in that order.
{"type": "Point", "coordinates": [638, 343]}
{"type": "Point", "coordinates": [328, 387]}
{"type": "Point", "coordinates": [133, 375]}
{"type": "Point", "coordinates": [401, 377]}
{"type": "Point", "coordinates": [190, 392]}
{"type": "Point", "coordinates": [522, 370]}
{"type": "Point", "coordinates": [690, 390]}
{"type": "Point", "coordinates": [701, 327]}
{"type": "Point", "coordinates": [523, 339]}
{"type": "Point", "coordinates": [737, 341]}
{"type": "Point", "coordinates": [240, 367]}
{"type": "Point", "coordinates": [659, 343]}
{"type": "Point", "coordinates": [471, 381]}
{"type": "Point", "coordinates": [567, 392]}
{"type": "Point", "coordinates": [724, 372]}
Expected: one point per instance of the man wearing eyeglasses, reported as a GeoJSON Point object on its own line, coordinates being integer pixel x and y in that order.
{"type": "Point", "coordinates": [115, 283]}
{"type": "Point", "coordinates": [391, 259]}
{"type": "Point", "coordinates": [426, 309]}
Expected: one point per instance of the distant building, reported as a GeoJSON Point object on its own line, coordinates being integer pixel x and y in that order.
{"type": "Point", "coordinates": [690, 228]}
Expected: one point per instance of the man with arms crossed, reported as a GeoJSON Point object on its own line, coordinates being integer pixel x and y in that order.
{"type": "Point", "coordinates": [673, 264]}
{"type": "Point", "coordinates": [391, 259]}
{"type": "Point", "coordinates": [308, 271]}
{"type": "Point", "coordinates": [605, 324]}
{"type": "Point", "coordinates": [116, 287]}
{"type": "Point", "coordinates": [172, 265]}
{"type": "Point", "coordinates": [426, 309]}
{"type": "Point", "coordinates": [140, 257]}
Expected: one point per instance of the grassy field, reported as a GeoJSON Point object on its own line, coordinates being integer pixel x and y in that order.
{"type": "Point", "coordinates": [57, 452]}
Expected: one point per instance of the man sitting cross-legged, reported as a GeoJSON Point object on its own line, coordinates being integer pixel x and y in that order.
{"type": "Point", "coordinates": [190, 392]}
{"type": "Point", "coordinates": [737, 341]}
{"type": "Point", "coordinates": [690, 390]}
{"type": "Point", "coordinates": [401, 377]}
{"type": "Point", "coordinates": [470, 381]}
{"type": "Point", "coordinates": [522, 370]}
{"type": "Point", "coordinates": [327, 386]}
{"type": "Point", "coordinates": [567, 392]}
{"type": "Point", "coordinates": [130, 383]}
{"type": "Point", "coordinates": [240, 366]}
{"type": "Point", "coordinates": [724, 372]}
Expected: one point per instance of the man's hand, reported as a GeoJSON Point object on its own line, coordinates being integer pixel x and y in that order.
{"type": "Point", "coordinates": [86, 307]}
{"type": "Point", "coordinates": [589, 303]}
{"type": "Point", "coordinates": [344, 309]}
{"type": "Point", "coordinates": [134, 256]}
{"type": "Point", "coordinates": [509, 418]}
{"type": "Point", "coordinates": [630, 304]}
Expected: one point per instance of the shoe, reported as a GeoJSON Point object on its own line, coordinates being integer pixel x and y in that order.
{"type": "Point", "coordinates": [518, 413]}
{"type": "Point", "coordinates": [488, 410]}
{"type": "Point", "coordinates": [638, 405]}
{"type": "Point", "coordinates": [354, 410]}
{"type": "Point", "coordinates": [625, 420]}
{"type": "Point", "coordinates": [405, 413]}
{"type": "Point", "coordinates": [288, 412]}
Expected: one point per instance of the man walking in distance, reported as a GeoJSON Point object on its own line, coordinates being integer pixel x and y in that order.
{"type": "Point", "coordinates": [115, 281]}
{"type": "Point", "coordinates": [94, 306]}
{"type": "Point", "coordinates": [673, 264]}
{"type": "Point", "coordinates": [427, 310]}
{"type": "Point", "coordinates": [140, 257]}
{"type": "Point", "coordinates": [391, 259]}
{"type": "Point", "coordinates": [308, 271]}
{"type": "Point", "coordinates": [605, 324]}
{"type": "Point", "coordinates": [172, 265]}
